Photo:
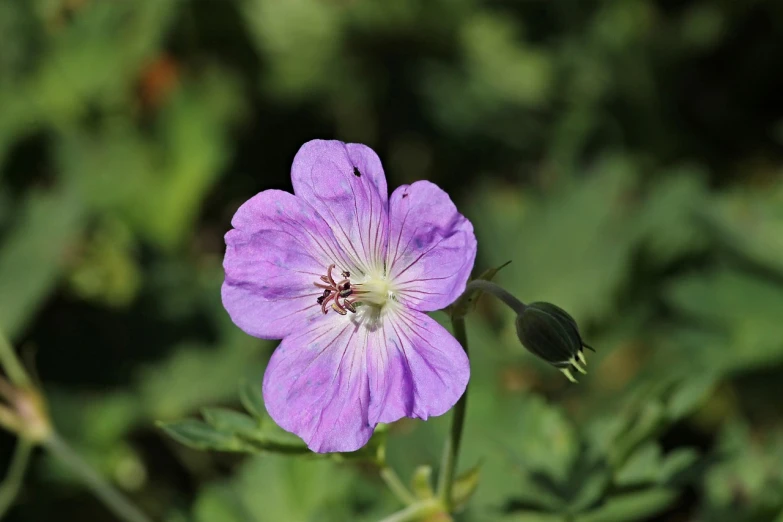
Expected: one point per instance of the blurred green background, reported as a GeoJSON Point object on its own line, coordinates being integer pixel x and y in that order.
{"type": "Point", "coordinates": [625, 155]}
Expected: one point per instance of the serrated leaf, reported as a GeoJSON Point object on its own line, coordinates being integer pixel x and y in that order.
{"type": "Point", "coordinates": [200, 435]}
{"type": "Point", "coordinates": [232, 422]}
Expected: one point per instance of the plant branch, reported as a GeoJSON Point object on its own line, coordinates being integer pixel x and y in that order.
{"type": "Point", "coordinates": [396, 486]}
{"type": "Point", "coordinates": [11, 364]}
{"type": "Point", "coordinates": [9, 489]}
{"type": "Point", "coordinates": [451, 451]}
{"type": "Point", "coordinates": [112, 499]}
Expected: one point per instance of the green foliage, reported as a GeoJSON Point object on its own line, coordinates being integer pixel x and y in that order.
{"type": "Point", "coordinates": [625, 156]}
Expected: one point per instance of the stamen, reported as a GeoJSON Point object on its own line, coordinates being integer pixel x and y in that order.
{"type": "Point", "coordinates": [337, 308]}
{"type": "Point", "coordinates": [334, 291]}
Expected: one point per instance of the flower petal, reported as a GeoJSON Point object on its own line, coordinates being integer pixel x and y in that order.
{"type": "Point", "coordinates": [416, 368]}
{"type": "Point", "coordinates": [431, 246]}
{"type": "Point", "coordinates": [316, 385]}
{"type": "Point", "coordinates": [345, 183]}
{"type": "Point", "coordinates": [278, 248]}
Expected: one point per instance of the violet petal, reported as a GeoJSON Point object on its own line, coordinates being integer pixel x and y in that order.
{"type": "Point", "coordinates": [278, 248]}
{"type": "Point", "coordinates": [345, 183]}
{"type": "Point", "coordinates": [415, 367]}
{"type": "Point", "coordinates": [316, 386]}
{"type": "Point", "coordinates": [431, 246]}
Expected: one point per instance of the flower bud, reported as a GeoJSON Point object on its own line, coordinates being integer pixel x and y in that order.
{"type": "Point", "coordinates": [551, 333]}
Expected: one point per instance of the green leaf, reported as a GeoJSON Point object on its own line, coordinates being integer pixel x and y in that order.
{"type": "Point", "coordinates": [689, 394]}
{"type": "Point", "coordinates": [33, 254]}
{"type": "Point", "coordinates": [421, 482]}
{"type": "Point", "coordinates": [532, 516]}
{"type": "Point", "coordinates": [751, 223]}
{"type": "Point", "coordinates": [641, 467]}
{"type": "Point", "coordinates": [464, 487]}
{"type": "Point", "coordinates": [252, 399]}
{"type": "Point", "coordinates": [631, 506]}
{"type": "Point", "coordinates": [232, 422]}
{"type": "Point", "coordinates": [743, 309]}
{"type": "Point", "coordinates": [199, 435]}
{"type": "Point", "coordinates": [650, 418]}
{"type": "Point", "coordinates": [676, 464]}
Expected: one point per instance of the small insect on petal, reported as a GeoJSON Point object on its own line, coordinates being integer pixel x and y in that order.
{"type": "Point", "coordinates": [356, 172]}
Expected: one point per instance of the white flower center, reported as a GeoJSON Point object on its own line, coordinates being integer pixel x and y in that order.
{"type": "Point", "coordinates": [375, 290]}
{"type": "Point", "coordinates": [373, 293]}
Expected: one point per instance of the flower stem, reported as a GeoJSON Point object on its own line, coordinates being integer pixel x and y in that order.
{"type": "Point", "coordinates": [499, 292]}
{"type": "Point", "coordinates": [115, 501]}
{"type": "Point", "coordinates": [451, 451]}
{"type": "Point", "coordinates": [11, 364]}
{"type": "Point", "coordinates": [13, 481]}
{"type": "Point", "coordinates": [396, 486]}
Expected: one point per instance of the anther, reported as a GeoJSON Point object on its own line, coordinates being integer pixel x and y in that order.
{"type": "Point", "coordinates": [334, 291]}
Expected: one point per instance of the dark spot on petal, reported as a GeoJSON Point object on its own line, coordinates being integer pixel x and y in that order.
{"type": "Point", "coordinates": [356, 172]}
{"type": "Point", "coordinates": [405, 195]}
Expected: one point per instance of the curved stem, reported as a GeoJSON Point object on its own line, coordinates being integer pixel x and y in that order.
{"type": "Point", "coordinates": [499, 292]}
{"type": "Point", "coordinates": [13, 481]}
{"type": "Point", "coordinates": [11, 364]}
{"type": "Point", "coordinates": [451, 451]}
{"type": "Point", "coordinates": [396, 486]}
{"type": "Point", "coordinates": [115, 501]}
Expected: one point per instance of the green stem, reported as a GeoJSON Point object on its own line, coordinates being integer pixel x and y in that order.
{"type": "Point", "coordinates": [499, 292]}
{"type": "Point", "coordinates": [11, 364]}
{"type": "Point", "coordinates": [115, 501]}
{"type": "Point", "coordinates": [415, 511]}
{"type": "Point", "coordinates": [396, 486]}
{"type": "Point", "coordinates": [451, 451]}
{"type": "Point", "coordinates": [13, 481]}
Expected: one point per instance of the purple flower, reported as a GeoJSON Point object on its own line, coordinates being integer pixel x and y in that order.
{"type": "Point", "coordinates": [344, 275]}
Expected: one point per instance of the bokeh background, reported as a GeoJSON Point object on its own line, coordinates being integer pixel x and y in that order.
{"type": "Point", "coordinates": [625, 155]}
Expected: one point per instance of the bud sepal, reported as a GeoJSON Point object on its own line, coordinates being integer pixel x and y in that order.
{"type": "Point", "coordinates": [549, 332]}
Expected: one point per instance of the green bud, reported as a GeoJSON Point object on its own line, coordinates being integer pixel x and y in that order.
{"type": "Point", "coordinates": [551, 333]}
